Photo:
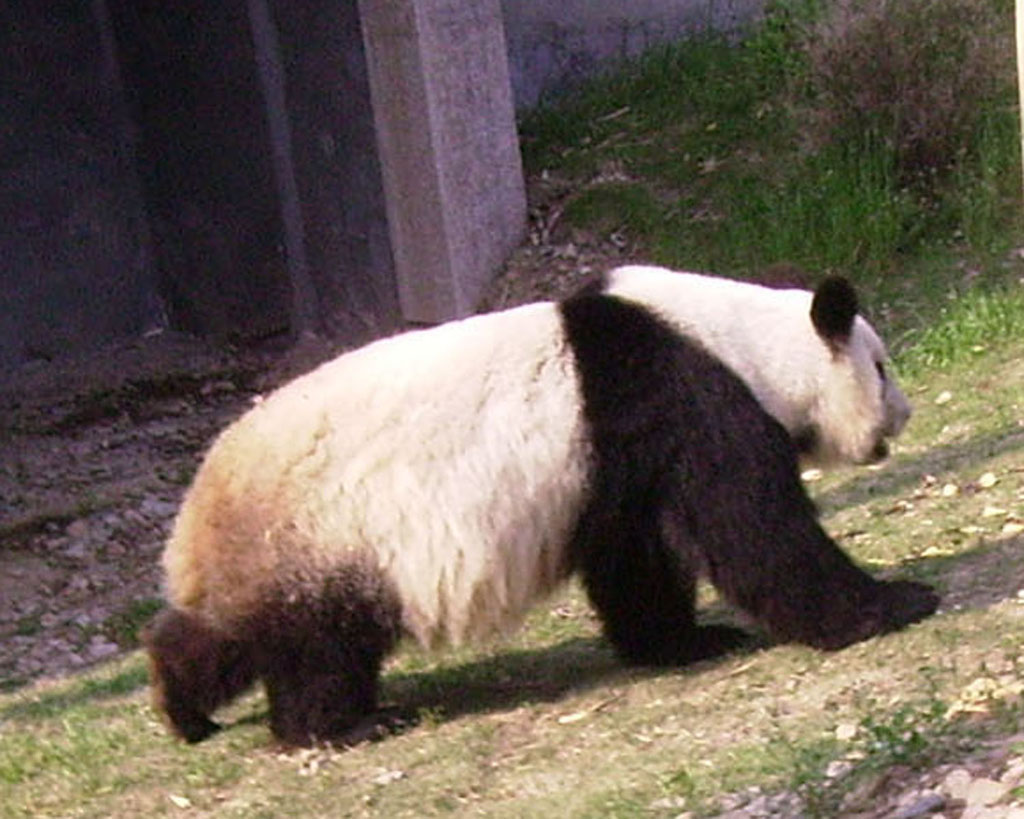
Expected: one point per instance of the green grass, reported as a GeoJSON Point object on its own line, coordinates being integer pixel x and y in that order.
{"type": "Point", "coordinates": [695, 154]}
{"type": "Point", "coordinates": [703, 157]}
{"type": "Point", "coordinates": [968, 325]}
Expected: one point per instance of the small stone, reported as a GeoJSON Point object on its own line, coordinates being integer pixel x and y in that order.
{"type": "Point", "coordinates": [956, 783]}
{"type": "Point", "coordinates": [78, 529]}
{"type": "Point", "coordinates": [77, 549]}
{"type": "Point", "coordinates": [97, 651]}
{"type": "Point", "coordinates": [838, 768]}
{"type": "Point", "coordinates": [155, 508]}
{"type": "Point", "coordinates": [996, 662]}
{"type": "Point", "coordinates": [386, 777]}
{"type": "Point", "coordinates": [668, 803]}
{"type": "Point", "coordinates": [785, 804]}
{"type": "Point", "coordinates": [985, 792]}
{"type": "Point", "coordinates": [988, 480]}
{"type": "Point", "coordinates": [943, 397]}
{"type": "Point", "coordinates": [922, 805]}
{"type": "Point", "coordinates": [1014, 772]}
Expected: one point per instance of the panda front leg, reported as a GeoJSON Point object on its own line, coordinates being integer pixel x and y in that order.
{"type": "Point", "coordinates": [645, 593]}
{"type": "Point", "coordinates": [782, 568]}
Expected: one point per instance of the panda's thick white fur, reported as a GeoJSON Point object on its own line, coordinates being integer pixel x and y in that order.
{"type": "Point", "coordinates": [767, 337]}
{"type": "Point", "coordinates": [437, 483]}
{"type": "Point", "coordinates": [454, 456]}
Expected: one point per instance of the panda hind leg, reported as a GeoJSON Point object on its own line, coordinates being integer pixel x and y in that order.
{"type": "Point", "coordinates": [193, 670]}
{"type": "Point", "coordinates": [321, 655]}
{"type": "Point", "coordinates": [645, 595]}
{"type": "Point", "coordinates": [313, 702]}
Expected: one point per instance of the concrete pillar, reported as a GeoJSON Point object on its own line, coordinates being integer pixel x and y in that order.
{"type": "Point", "coordinates": [337, 175]}
{"type": "Point", "coordinates": [449, 154]}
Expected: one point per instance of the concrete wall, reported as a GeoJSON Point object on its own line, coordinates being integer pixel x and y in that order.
{"type": "Point", "coordinates": [203, 158]}
{"type": "Point", "coordinates": [553, 45]}
{"type": "Point", "coordinates": [449, 152]}
{"type": "Point", "coordinates": [247, 167]}
{"type": "Point", "coordinates": [74, 244]}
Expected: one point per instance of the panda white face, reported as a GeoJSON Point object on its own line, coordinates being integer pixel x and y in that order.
{"type": "Point", "coordinates": [859, 406]}
{"type": "Point", "coordinates": [810, 359]}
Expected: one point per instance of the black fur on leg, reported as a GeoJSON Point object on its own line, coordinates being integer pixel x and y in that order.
{"type": "Point", "coordinates": [691, 475]}
{"type": "Point", "coordinates": [320, 655]}
{"type": "Point", "coordinates": [307, 707]}
{"type": "Point", "coordinates": [643, 592]}
{"type": "Point", "coordinates": [193, 670]}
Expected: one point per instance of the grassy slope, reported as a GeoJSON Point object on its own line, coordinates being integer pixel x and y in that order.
{"type": "Point", "coordinates": [549, 724]}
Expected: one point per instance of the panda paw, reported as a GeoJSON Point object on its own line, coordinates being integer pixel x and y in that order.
{"type": "Point", "coordinates": [906, 602]}
{"type": "Point", "coordinates": [194, 727]}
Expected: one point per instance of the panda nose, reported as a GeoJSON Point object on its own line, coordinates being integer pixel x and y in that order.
{"type": "Point", "coordinates": [898, 412]}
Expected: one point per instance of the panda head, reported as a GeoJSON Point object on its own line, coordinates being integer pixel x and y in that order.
{"type": "Point", "coordinates": [857, 406]}
{"type": "Point", "coordinates": [812, 361]}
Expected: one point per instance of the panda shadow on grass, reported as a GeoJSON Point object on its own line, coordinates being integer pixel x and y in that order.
{"type": "Point", "coordinates": [505, 680]}
{"type": "Point", "coordinates": [497, 682]}
{"type": "Point", "coordinates": [642, 435]}
{"type": "Point", "coordinates": [508, 678]}
{"type": "Point", "coordinates": [904, 476]}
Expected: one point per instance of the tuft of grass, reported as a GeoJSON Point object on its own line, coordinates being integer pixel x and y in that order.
{"type": "Point", "coordinates": [967, 326]}
{"type": "Point", "coordinates": [871, 71]}
{"type": "Point", "coordinates": [123, 626]}
{"type": "Point", "coordinates": [721, 162]}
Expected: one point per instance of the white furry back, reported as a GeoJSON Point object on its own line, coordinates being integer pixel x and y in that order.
{"type": "Point", "coordinates": [455, 457]}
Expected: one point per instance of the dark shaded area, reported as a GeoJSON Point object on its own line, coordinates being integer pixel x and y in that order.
{"type": "Point", "coordinates": [337, 169]}
{"type": "Point", "coordinates": [201, 166]}
{"type": "Point", "coordinates": [73, 238]}
{"type": "Point", "coordinates": [190, 74]}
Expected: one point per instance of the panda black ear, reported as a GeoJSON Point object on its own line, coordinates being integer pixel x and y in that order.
{"type": "Point", "coordinates": [833, 310]}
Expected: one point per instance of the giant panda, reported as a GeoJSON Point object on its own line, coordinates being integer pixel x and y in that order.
{"type": "Point", "coordinates": [436, 484]}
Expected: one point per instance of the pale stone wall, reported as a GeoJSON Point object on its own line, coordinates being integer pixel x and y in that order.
{"type": "Point", "coordinates": [553, 45]}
